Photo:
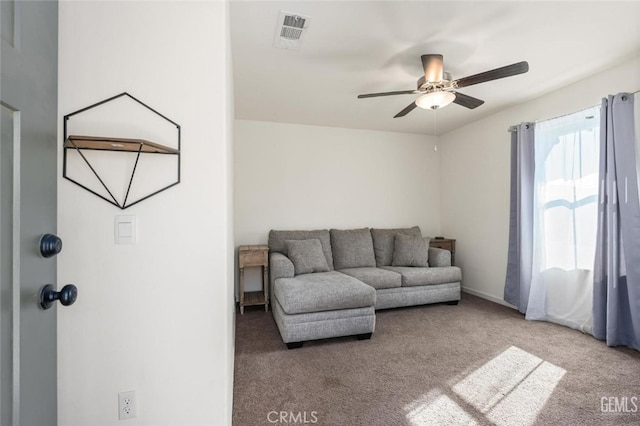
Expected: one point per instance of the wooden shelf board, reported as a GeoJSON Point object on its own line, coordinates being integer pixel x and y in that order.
{"type": "Point", "coordinates": [254, 247]}
{"type": "Point", "coordinates": [116, 144]}
{"type": "Point", "coordinates": [254, 298]}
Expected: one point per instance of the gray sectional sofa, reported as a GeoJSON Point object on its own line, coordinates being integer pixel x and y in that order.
{"type": "Point", "coordinates": [329, 283]}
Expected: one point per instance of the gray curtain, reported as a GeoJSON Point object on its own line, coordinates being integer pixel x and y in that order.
{"type": "Point", "coordinates": [520, 255]}
{"type": "Point", "coordinates": [616, 302]}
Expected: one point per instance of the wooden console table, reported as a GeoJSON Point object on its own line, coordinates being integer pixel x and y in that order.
{"type": "Point", "coordinates": [254, 256]}
{"type": "Point", "coordinates": [447, 244]}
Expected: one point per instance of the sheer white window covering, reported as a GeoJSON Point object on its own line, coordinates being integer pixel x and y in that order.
{"type": "Point", "coordinates": [565, 219]}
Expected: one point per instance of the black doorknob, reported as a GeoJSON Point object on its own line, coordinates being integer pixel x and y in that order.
{"type": "Point", "coordinates": [50, 245]}
{"type": "Point", "coordinates": [67, 296]}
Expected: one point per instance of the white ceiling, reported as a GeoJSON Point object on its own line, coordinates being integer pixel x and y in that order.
{"type": "Point", "coordinates": [355, 47]}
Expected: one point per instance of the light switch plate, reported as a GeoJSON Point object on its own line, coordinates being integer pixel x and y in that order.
{"type": "Point", "coordinates": [126, 231]}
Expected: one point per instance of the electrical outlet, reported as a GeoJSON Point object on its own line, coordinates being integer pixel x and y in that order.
{"type": "Point", "coordinates": [127, 405]}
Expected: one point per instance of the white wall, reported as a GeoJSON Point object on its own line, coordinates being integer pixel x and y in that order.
{"type": "Point", "coordinates": [156, 317]}
{"type": "Point", "coordinates": [229, 277]}
{"type": "Point", "coordinates": [290, 176]}
{"type": "Point", "coordinates": [475, 175]}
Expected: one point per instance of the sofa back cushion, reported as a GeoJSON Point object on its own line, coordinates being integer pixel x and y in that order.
{"type": "Point", "coordinates": [384, 240]}
{"type": "Point", "coordinates": [352, 248]}
{"type": "Point", "coordinates": [277, 241]}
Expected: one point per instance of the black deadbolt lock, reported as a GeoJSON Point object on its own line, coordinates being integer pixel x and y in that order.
{"type": "Point", "coordinates": [50, 245]}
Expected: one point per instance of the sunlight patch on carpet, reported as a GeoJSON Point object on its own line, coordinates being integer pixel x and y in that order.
{"type": "Point", "coordinates": [490, 383]}
{"type": "Point", "coordinates": [437, 409]}
{"type": "Point", "coordinates": [512, 388]}
{"type": "Point", "coordinates": [509, 390]}
{"type": "Point", "coordinates": [522, 405]}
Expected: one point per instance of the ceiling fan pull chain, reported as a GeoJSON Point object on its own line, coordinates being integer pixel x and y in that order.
{"type": "Point", "coordinates": [435, 129]}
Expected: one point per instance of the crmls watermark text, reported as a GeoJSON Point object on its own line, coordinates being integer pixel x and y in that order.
{"type": "Point", "coordinates": [291, 417]}
{"type": "Point", "coordinates": [619, 404]}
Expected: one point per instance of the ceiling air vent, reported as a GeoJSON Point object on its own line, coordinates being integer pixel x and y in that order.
{"type": "Point", "coordinates": [290, 30]}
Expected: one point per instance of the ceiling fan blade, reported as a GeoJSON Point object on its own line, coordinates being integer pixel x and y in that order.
{"type": "Point", "coordinates": [433, 67]}
{"type": "Point", "coordinates": [467, 101]}
{"type": "Point", "coordinates": [508, 71]}
{"type": "Point", "coordinates": [373, 95]}
{"type": "Point", "coordinates": [406, 111]}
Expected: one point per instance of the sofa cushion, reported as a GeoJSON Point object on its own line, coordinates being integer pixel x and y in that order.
{"type": "Point", "coordinates": [322, 291]}
{"type": "Point", "coordinates": [307, 256]}
{"type": "Point", "coordinates": [277, 239]}
{"type": "Point", "coordinates": [376, 277]}
{"type": "Point", "coordinates": [412, 276]}
{"type": "Point", "coordinates": [383, 242]}
{"type": "Point", "coordinates": [352, 248]}
{"type": "Point", "coordinates": [410, 251]}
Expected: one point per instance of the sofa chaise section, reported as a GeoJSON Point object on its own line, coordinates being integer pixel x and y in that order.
{"type": "Point", "coordinates": [316, 305]}
{"type": "Point", "coordinates": [323, 305]}
{"type": "Point", "coordinates": [324, 291]}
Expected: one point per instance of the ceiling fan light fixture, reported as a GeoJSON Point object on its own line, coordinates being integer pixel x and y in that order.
{"type": "Point", "coordinates": [435, 100]}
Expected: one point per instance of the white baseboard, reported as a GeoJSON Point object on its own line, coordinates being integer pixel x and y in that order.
{"type": "Point", "coordinates": [488, 297]}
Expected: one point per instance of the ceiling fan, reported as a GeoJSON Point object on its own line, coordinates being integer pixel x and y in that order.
{"type": "Point", "coordinates": [437, 89]}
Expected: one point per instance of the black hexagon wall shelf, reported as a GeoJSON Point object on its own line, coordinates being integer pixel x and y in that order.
{"type": "Point", "coordinates": [102, 163]}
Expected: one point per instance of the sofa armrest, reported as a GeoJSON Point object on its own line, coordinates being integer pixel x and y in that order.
{"type": "Point", "coordinates": [439, 257]}
{"type": "Point", "coordinates": [280, 266]}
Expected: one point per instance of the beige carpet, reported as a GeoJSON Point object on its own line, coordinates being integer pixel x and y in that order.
{"type": "Point", "coordinates": [474, 363]}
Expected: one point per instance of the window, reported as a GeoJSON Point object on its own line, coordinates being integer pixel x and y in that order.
{"type": "Point", "coordinates": [566, 190]}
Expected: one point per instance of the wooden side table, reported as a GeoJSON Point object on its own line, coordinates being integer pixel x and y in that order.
{"type": "Point", "coordinates": [447, 244]}
{"type": "Point", "coordinates": [254, 256]}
